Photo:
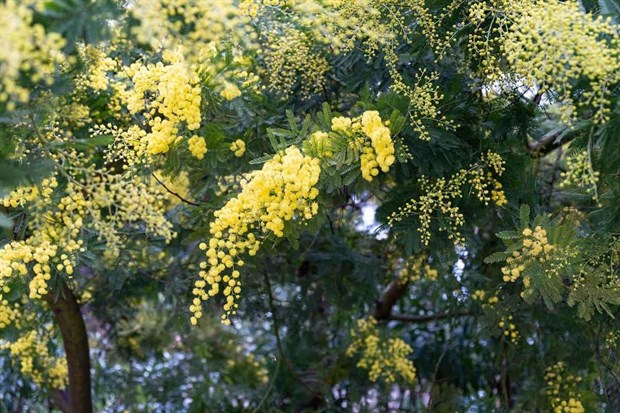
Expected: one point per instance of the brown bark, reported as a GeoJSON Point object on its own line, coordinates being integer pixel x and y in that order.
{"type": "Point", "coordinates": [61, 400]}
{"type": "Point", "coordinates": [392, 293]}
{"type": "Point", "coordinates": [73, 330]}
{"type": "Point", "coordinates": [547, 143]}
{"type": "Point", "coordinates": [390, 296]}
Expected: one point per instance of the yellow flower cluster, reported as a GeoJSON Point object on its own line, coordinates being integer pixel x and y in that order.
{"type": "Point", "coordinates": [99, 65]}
{"type": "Point", "coordinates": [492, 20]}
{"type": "Point", "coordinates": [99, 200]}
{"type": "Point", "coordinates": [41, 253]}
{"type": "Point", "coordinates": [554, 44]}
{"type": "Point", "coordinates": [509, 329]}
{"type": "Point", "coordinates": [283, 190]}
{"type": "Point", "coordinates": [382, 145]}
{"type": "Point", "coordinates": [341, 124]}
{"type": "Point", "coordinates": [579, 173]}
{"type": "Point", "coordinates": [214, 38]}
{"type": "Point", "coordinates": [535, 246]}
{"type": "Point", "coordinates": [20, 196]}
{"type": "Point", "coordinates": [238, 148]}
{"type": "Point", "coordinates": [497, 194]}
{"type": "Point", "coordinates": [368, 135]}
{"type": "Point", "coordinates": [195, 24]}
{"type": "Point", "coordinates": [230, 91]}
{"type": "Point", "coordinates": [51, 246]}
{"type": "Point", "coordinates": [384, 359]}
{"type": "Point", "coordinates": [481, 295]}
{"type": "Point", "coordinates": [174, 97]}
{"type": "Point", "coordinates": [197, 146]}
{"type": "Point", "coordinates": [26, 49]}
{"type": "Point", "coordinates": [439, 197]}
{"type": "Point", "coordinates": [248, 364]}
{"type": "Point", "coordinates": [8, 314]}
{"type": "Point", "coordinates": [244, 75]}
{"type": "Point", "coordinates": [424, 98]}
{"type": "Point", "coordinates": [562, 390]}
{"type": "Point", "coordinates": [291, 61]}
{"type": "Point", "coordinates": [611, 339]}
{"type": "Point", "coordinates": [416, 269]}
{"type": "Point", "coordinates": [486, 187]}
{"type": "Point", "coordinates": [36, 362]}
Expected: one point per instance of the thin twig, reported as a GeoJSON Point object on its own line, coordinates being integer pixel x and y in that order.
{"type": "Point", "coordinates": [439, 360]}
{"type": "Point", "coordinates": [271, 383]}
{"type": "Point", "coordinates": [174, 193]}
{"type": "Point", "coordinates": [599, 357]}
{"type": "Point", "coordinates": [429, 317]}
{"type": "Point", "coordinates": [276, 331]}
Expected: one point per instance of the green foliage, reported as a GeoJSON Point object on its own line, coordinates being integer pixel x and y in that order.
{"type": "Point", "coordinates": [482, 336]}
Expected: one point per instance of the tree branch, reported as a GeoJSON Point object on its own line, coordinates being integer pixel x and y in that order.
{"type": "Point", "coordinates": [549, 142]}
{"type": "Point", "coordinates": [428, 317]}
{"type": "Point", "coordinates": [71, 323]}
{"type": "Point", "coordinates": [172, 192]}
{"type": "Point", "coordinates": [389, 297]}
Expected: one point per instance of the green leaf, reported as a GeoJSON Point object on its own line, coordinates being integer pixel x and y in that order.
{"type": "Point", "coordinates": [14, 173]}
{"type": "Point", "coordinates": [97, 141]}
{"type": "Point", "coordinates": [495, 257]}
{"type": "Point", "coordinates": [524, 216]}
{"type": "Point", "coordinates": [397, 122]}
{"type": "Point", "coordinates": [277, 142]}
{"type": "Point", "coordinates": [327, 114]}
{"type": "Point", "coordinates": [549, 288]}
{"type": "Point", "coordinates": [305, 127]}
{"type": "Point", "coordinates": [292, 122]}
{"type": "Point", "coordinates": [260, 159]}
{"type": "Point", "coordinates": [508, 235]}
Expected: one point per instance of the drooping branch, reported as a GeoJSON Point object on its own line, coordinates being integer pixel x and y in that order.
{"type": "Point", "coordinates": [73, 330]}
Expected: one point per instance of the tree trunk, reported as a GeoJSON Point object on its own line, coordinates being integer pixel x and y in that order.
{"type": "Point", "coordinates": [69, 318]}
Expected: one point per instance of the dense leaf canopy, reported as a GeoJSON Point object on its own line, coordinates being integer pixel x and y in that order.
{"type": "Point", "coordinates": [309, 205]}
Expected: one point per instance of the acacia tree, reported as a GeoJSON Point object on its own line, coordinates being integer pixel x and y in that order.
{"type": "Point", "coordinates": [287, 205]}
